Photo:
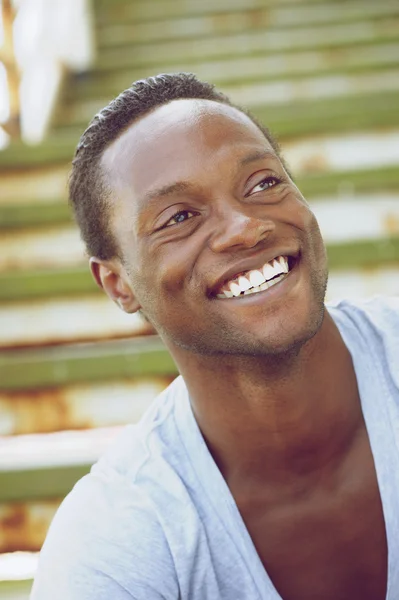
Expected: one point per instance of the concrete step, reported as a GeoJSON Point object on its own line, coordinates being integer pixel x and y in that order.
{"type": "Point", "coordinates": [349, 109]}
{"type": "Point", "coordinates": [266, 18]}
{"type": "Point", "coordinates": [47, 466]}
{"type": "Point", "coordinates": [50, 322]}
{"type": "Point", "coordinates": [65, 365]}
{"type": "Point", "coordinates": [241, 70]}
{"type": "Point", "coordinates": [119, 11]}
{"type": "Point", "coordinates": [40, 368]}
{"type": "Point", "coordinates": [79, 406]}
{"type": "Point", "coordinates": [248, 43]}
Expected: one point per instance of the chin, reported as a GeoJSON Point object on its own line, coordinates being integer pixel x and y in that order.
{"type": "Point", "coordinates": [290, 339]}
{"type": "Point", "coordinates": [284, 338]}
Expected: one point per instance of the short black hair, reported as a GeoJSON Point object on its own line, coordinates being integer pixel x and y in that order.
{"type": "Point", "coordinates": [88, 193]}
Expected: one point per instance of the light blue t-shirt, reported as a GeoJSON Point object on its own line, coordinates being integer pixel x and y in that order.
{"type": "Point", "coordinates": [155, 519]}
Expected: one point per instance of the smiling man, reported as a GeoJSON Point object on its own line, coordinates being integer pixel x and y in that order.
{"type": "Point", "coordinates": [270, 469]}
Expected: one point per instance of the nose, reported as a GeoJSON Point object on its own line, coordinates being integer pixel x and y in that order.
{"type": "Point", "coordinates": [234, 229]}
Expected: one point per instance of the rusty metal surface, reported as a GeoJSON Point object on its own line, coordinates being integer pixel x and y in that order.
{"type": "Point", "coordinates": [77, 407]}
{"type": "Point", "coordinates": [71, 320]}
{"type": "Point", "coordinates": [357, 150]}
{"type": "Point", "coordinates": [23, 525]}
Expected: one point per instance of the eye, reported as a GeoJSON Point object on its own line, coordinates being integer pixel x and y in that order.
{"type": "Point", "coordinates": [263, 185]}
{"type": "Point", "coordinates": [180, 217]}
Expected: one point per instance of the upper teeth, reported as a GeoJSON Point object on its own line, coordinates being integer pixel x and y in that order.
{"type": "Point", "coordinates": [252, 280]}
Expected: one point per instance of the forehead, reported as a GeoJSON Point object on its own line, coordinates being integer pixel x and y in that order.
{"type": "Point", "coordinates": [174, 140]}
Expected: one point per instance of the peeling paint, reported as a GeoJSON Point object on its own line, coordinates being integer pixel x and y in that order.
{"type": "Point", "coordinates": [363, 150]}
{"type": "Point", "coordinates": [45, 322]}
{"type": "Point", "coordinates": [23, 526]}
{"type": "Point", "coordinates": [77, 407]}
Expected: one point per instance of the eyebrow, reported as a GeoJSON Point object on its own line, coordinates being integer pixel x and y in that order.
{"type": "Point", "coordinates": [181, 187]}
{"type": "Point", "coordinates": [255, 156]}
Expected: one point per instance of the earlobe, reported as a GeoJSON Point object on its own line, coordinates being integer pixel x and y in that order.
{"type": "Point", "coordinates": [113, 280]}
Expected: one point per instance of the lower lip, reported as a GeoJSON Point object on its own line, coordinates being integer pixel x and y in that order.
{"type": "Point", "coordinates": [275, 291]}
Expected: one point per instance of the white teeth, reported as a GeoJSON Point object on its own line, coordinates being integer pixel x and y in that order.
{"type": "Point", "coordinates": [276, 280]}
{"type": "Point", "coordinates": [250, 291]}
{"type": "Point", "coordinates": [268, 271]}
{"type": "Point", "coordinates": [244, 283]}
{"type": "Point", "coordinates": [256, 278]}
{"type": "Point", "coordinates": [235, 289]}
{"type": "Point", "coordinates": [278, 269]}
{"type": "Point", "coordinates": [284, 263]}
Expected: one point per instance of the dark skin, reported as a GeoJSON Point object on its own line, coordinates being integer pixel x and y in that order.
{"type": "Point", "coordinates": [199, 196]}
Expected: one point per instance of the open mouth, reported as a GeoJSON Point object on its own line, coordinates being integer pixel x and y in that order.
{"type": "Point", "coordinates": [257, 280]}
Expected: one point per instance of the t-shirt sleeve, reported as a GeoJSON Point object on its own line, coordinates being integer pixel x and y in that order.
{"type": "Point", "coordinates": [105, 542]}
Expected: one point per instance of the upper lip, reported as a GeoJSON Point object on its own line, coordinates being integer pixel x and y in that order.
{"type": "Point", "coordinates": [248, 265]}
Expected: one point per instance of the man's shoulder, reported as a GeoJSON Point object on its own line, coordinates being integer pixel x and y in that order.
{"type": "Point", "coordinates": [381, 313]}
{"type": "Point", "coordinates": [105, 541]}
{"type": "Point", "coordinates": [371, 326]}
{"type": "Point", "coordinates": [107, 535]}
{"type": "Point", "coordinates": [137, 446]}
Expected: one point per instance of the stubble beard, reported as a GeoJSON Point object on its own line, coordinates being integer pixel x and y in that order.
{"type": "Point", "coordinates": [222, 341]}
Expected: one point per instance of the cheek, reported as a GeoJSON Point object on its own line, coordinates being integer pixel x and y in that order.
{"type": "Point", "coordinates": [165, 276]}
{"type": "Point", "coordinates": [300, 215]}
{"type": "Point", "coordinates": [303, 219]}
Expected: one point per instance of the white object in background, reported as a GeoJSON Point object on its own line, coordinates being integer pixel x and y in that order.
{"type": "Point", "coordinates": [18, 565]}
{"type": "Point", "coordinates": [49, 37]}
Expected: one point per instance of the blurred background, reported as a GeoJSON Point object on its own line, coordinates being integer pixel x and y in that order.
{"type": "Point", "coordinates": [322, 74]}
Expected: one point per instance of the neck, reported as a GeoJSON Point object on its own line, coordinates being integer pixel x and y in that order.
{"type": "Point", "coordinates": [292, 415]}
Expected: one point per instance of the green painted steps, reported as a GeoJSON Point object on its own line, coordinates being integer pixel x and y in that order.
{"type": "Point", "coordinates": [37, 214]}
{"type": "Point", "coordinates": [345, 60]}
{"type": "Point", "coordinates": [294, 119]}
{"type": "Point", "coordinates": [279, 19]}
{"type": "Point", "coordinates": [286, 11]}
{"type": "Point", "coordinates": [38, 483]}
{"type": "Point", "coordinates": [56, 149]}
{"type": "Point", "coordinates": [51, 283]}
{"type": "Point", "coordinates": [247, 43]}
{"type": "Point", "coordinates": [54, 367]}
{"type": "Point", "coordinates": [335, 115]}
{"type": "Point", "coordinates": [34, 214]}
{"type": "Point", "coordinates": [18, 589]}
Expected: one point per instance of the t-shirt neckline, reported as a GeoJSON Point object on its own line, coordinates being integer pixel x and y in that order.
{"type": "Point", "coordinates": [222, 500]}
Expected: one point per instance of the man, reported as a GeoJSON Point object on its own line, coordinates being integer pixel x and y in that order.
{"type": "Point", "coordinates": [269, 470]}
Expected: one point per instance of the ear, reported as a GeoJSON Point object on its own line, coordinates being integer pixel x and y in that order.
{"type": "Point", "coordinates": [112, 278]}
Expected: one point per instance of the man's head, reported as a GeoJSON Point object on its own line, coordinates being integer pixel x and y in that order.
{"type": "Point", "coordinates": [178, 193]}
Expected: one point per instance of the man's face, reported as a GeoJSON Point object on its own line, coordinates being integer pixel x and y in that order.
{"type": "Point", "coordinates": [201, 200]}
